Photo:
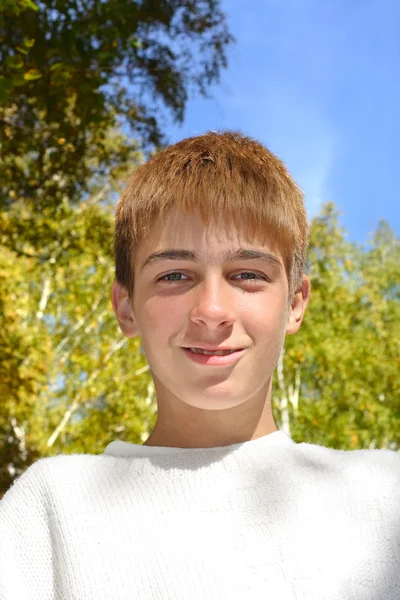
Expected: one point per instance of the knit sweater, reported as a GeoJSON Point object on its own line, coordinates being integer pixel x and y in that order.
{"type": "Point", "coordinates": [264, 519]}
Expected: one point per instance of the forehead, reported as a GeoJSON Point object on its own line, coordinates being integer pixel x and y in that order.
{"type": "Point", "coordinates": [209, 240]}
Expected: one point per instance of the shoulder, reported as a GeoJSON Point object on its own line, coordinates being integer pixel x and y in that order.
{"type": "Point", "coordinates": [371, 468]}
{"type": "Point", "coordinates": [384, 459]}
{"type": "Point", "coordinates": [38, 479]}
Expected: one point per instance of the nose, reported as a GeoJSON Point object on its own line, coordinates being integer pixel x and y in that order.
{"type": "Point", "coordinates": [213, 304]}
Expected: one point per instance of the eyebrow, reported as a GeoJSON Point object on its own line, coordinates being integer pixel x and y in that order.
{"type": "Point", "coordinates": [240, 254]}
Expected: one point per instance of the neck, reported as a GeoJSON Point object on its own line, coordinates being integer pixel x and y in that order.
{"type": "Point", "coordinates": [180, 425]}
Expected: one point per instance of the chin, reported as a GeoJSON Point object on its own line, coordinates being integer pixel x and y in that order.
{"type": "Point", "coordinates": [214, 401]}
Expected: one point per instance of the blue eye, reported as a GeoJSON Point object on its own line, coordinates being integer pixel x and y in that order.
{"type": "Point", "coordinates": [257, 277]}
{"type": "Point", "coordinates": [169, 275]}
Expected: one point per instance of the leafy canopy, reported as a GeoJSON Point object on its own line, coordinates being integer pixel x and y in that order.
{"type": "Point", "coordinates": [74, 70]}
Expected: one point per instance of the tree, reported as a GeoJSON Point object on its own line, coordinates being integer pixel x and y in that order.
{"type": "Point", "coordinates": [73, 72]}
{"type": "Point", "coordinates": [69, 378]}
{"type": "Point", "coordinates": [339, 384]}
{"type": "Point", "coordinates": [23, 364]}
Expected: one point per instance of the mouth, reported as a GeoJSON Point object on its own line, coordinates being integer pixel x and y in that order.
{"type": "Point", "coordinates": [221, 357]}
{"type": "Point", "coordinates": [214, 352]}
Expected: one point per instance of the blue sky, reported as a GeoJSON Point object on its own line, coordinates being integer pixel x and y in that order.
{"type": "Point", "coordinates": [319, 84]}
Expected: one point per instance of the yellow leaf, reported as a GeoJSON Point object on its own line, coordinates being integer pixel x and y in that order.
{"type": "Point", "coordinates": [32, 74]}
{"type": "Point", "coordinates": [61, 141]}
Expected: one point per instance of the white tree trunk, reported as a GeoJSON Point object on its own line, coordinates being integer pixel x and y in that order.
{"type": "Point", "coordinates": [287, 393]}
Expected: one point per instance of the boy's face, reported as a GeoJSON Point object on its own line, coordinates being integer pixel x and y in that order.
{"type": "Point", "coordinates": [212, 302]}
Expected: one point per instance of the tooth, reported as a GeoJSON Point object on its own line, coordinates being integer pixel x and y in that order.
{"type": "Point", "coordinates": [210, 353]}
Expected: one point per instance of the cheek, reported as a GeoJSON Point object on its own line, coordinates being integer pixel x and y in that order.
{"type": "Point", "coordinates": [265, 317]}
{"type": "Point", "coordinates": [267, 327]}
{"type": "Point", "coordinates": [158, 316]}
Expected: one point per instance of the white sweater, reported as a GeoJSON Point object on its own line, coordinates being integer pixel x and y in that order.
{"type": "Point", "coordinates": [267, 519]}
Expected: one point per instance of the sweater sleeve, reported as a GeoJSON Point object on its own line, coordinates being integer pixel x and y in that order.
{"type": "Point", "coordinates": [26, 570]}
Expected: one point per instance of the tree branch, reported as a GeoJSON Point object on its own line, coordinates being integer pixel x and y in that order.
{"type": "Point", "coordinates": [44, 299]}
{"type": "Point", "coordinates": [284, 399]}
{"type": "Point", "coordinates": [83, 320]}
{"type": "Point", "coordinates": [75, 405]}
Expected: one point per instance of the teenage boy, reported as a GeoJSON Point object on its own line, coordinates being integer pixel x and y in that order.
{"type": "Point", "coordinates": [210, 247]}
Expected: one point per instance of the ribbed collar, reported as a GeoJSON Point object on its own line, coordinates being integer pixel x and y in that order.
{"type": "Point", "coordinates": [121, 448]}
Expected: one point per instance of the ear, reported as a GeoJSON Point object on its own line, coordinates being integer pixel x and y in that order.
{"type": "Point", "coordinates": [298, 307]}
{"type": "Point", "coordinates": [123, 310]}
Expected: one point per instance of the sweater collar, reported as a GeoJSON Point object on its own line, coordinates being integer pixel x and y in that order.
{"type": "Point", "coordinates": [125, 449]}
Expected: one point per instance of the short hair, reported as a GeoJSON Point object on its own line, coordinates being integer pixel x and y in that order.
{"type": "Point", "coordinates": [219, 174]}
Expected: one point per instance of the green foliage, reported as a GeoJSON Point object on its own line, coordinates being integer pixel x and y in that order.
{"type": "Point", "coordinates": [72, 72]}
{"type": "Point", "coordinates": [346, 355]}
{"type": "Point", "coordinates": [69, 378]}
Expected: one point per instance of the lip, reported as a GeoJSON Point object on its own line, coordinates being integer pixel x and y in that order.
{"type": "Point", "coordinates": [211, 348]}
{"type": "Point", "coordinates": [204, 359]}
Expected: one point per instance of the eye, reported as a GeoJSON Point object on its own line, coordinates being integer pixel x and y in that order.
{"type": "Point", "coordinates": [169, 275]}
{"type": "Point", "coordinates": [253, 277]}
{"type": "Point", "coordinates": [257, 277]}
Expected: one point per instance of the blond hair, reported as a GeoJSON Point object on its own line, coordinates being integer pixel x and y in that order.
{"type": "Point", "coordinates": [215, 173]}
